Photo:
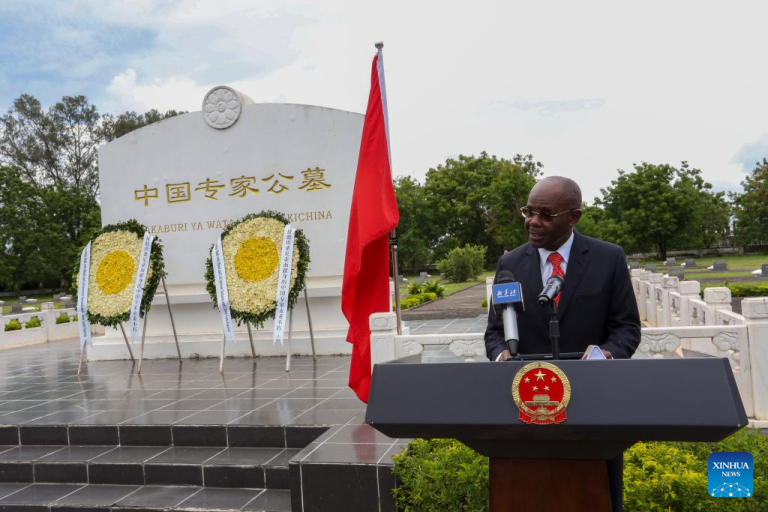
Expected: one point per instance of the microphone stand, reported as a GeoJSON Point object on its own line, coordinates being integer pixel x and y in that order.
{"type": "Point", "coordinates": [554, 330]}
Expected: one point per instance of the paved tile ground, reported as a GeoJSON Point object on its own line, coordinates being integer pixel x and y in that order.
{"type": "Point", "coordinates": [38, 385]}
{"type": "Point", "coordinates": [448, 325]}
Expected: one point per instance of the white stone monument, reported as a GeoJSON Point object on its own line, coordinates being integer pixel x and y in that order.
{"type": "Point", "coordinates": [187, 177]}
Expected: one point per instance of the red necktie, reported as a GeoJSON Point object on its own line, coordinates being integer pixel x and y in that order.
{"type": "Point", "coordinates": [555, 259]}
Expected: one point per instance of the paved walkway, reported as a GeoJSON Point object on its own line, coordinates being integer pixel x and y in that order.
{"type": "Point", "coordinates": [463, 304]}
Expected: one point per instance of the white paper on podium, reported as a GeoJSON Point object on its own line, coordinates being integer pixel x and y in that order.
{"type": "Point", "coordinates": [594, 352]}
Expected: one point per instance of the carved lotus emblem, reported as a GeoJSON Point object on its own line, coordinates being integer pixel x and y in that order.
{"type": "Point", "coordinates": [221, 107]}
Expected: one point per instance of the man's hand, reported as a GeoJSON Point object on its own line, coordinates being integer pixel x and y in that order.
{"type": "Point", "coordinates": [504, 356]}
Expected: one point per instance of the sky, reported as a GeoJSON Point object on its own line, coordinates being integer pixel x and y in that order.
{"type": "Point", "coordinates": [587, 88]}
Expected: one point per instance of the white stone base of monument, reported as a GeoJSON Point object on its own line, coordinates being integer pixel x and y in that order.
{"type": "Point", "coordinates": [209, 345]}
{"type": "Point", "coordinates": [199, 328]}
{"type": "Point", "coordinates": [758, 423]}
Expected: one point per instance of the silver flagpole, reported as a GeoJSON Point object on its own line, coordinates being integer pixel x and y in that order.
{"type": "Point", "coordinates": [393, 245]}
{"type": "Point", "coordinates": [393, 233]}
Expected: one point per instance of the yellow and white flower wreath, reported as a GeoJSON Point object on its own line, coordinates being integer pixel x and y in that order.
{"type": "Point", "coordinates": [115, 253]}
{"type": "Point", "coordinates": [252, 249]}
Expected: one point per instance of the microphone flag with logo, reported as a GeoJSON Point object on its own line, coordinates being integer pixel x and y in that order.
{"type": "Point", "coordinates": [365, 287]}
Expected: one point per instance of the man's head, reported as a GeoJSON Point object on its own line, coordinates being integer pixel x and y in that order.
{"type": "Point", "coordinates": [558, 200]}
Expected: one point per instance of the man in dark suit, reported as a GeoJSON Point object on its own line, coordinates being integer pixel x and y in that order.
{"type": "Point", "coordinates": [597, 305]}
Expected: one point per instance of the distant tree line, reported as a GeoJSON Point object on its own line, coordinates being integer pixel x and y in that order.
{"type": "Point", "coordinates": [49, 185]}
{"type": "Point", "coordinates": [49, 199]}
{"type": "Point", "coordinates": [652, 208]}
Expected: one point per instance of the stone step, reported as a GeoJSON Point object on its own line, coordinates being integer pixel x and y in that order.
{"type": "Point", "coordinates": [108, 498]}
{"type": "Point", "coordinates": [288, 436]}
{"type": "Point", "coordinates": [238, 467]}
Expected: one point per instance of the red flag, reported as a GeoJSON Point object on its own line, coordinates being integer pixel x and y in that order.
{"type": "Point", "coordinates": [374, 214]}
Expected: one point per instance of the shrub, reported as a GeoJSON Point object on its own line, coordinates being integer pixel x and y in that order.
{"type": "Point", "coordinates": [410, 302]}
{"type": "Point", "coordinates": [673, 476]}
{"type": "Point", "coordinates": [33, 322]}
{"type": "Point", "coordinates": [443, 474]}
{"type": "Point", "coordinates": [13, 325]}
{"type": "Point", "coordinates": [748, 289]}
{"type": "Point", "coordinates": [414, 288]}
{"type": "Point", "coordinates": [484, 304]}
{"type": "Point", "coordinates": [62, 319]}
{"type": "Point", "coordinates": [434, 286]}
{"type": "Point", "coordinates": [463, 263]}
{"type": "Point", "coordinates": [415, 300]}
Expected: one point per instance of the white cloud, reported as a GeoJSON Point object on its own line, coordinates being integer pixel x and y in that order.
{"type": "Point", "coordinates": [585, 88]}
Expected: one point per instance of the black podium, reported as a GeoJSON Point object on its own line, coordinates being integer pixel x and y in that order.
{"type": "Point", "coordinates": [613, 404]}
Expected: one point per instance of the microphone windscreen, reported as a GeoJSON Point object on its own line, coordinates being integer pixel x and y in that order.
{"type": "Point", "coordinates": [505, 276]}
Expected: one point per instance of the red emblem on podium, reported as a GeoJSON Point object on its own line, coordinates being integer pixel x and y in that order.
{"type": "Point", "coordinates": [541, 392]}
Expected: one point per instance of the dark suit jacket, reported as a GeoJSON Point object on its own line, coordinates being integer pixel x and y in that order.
{"type": "Point", "coordinates": [597, 305]}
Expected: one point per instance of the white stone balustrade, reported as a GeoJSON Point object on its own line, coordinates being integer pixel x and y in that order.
{"type": "Point", "coordinates": [49, 330]}
{"type": "Point", "coordinates": [387, 345]}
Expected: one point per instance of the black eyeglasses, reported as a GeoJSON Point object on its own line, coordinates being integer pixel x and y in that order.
{"type": "Point", "coordinates": [546, 217]}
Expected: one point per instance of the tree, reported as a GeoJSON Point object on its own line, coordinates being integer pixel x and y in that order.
{"type": "Point", "coordinates": [713, 216]}
{"type": "Point", "coordinates": [49, 170]}
{"type": "Point", "coordinates": [474, 200]}
{"type": "Point", "coordinates": [57, 147]}
{"type": "Point", "coordinates": [416, 228]}
{"type": "Point", "coordinates": [114, 127]}
{"type": "Point", "coordinates": [42, 229]}
{"type": "Point", "coordinates": [751, 207]}
{"type": "Point", "coordinates": [656, 206]}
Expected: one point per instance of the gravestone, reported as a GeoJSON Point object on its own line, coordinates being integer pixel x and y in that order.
{"type": "Point", "coordinates": [676, 272]}
{"type": "Point", "coordinates": [670, 262]}
{"type": "Point", "coordinates": [690, 263]}
{"type": "Point", "coordinates": [15, 308]}
{"type": "Point", "coordinates": [719, 266]}
{"type": "Point", "coordinates": [764, 270]}
{"type": "Point", "coordinates": [650, 268]}
{"type": "Point", "coordinates": [633, 264]}
{"type": "Point", "coordinates": [186, 178]}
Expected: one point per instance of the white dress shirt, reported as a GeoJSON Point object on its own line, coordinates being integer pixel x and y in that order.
{"type": "Point", "coordinates": [546, 266]}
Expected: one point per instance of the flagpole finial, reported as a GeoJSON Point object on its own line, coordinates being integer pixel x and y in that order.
{"type": "Point", "coordinates": [379, 45]}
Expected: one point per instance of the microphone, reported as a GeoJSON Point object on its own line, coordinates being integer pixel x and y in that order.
{"type": "Point", "coordinates": [508, 293]}
{"type": "Point", "coordinates": [551, 289]}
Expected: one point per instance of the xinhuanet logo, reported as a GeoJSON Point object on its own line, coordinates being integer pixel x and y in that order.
{"type": "Point", "coordinates": [730, 474]}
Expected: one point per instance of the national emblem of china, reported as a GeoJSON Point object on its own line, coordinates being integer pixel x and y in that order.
{"type": "Point", "coordinates": [541, 392]}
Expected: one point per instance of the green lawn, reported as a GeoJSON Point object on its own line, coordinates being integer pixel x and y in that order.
{"type": "Point", "coordinates": [692, 276]}
{"type": "Point", "coordinates": [40, 300]}
{"type": "Point", "coordinates": [736, 261]}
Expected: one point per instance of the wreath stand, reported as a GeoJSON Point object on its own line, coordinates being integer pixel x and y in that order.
{"type": "Point", "coordinates": [290, 335]}
{"type": "Point", "coordinates": [144, 334]}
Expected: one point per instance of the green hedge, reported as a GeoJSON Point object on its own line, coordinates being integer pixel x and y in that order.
{"type": "Point", "coordinates": [13, 325]}
{"type": "Point", "coordinates": [415, 300]}
{"type": "Point", "coordinates": [749, 289]}
{"type": "Point", "coordinates": [33, 322]}
{"type": "Point", "coordinates": [445, 475]}
{"type": "Point", "coordinates": [441, 474]}
{"type": "Point", "coordinates": [62, 319]}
